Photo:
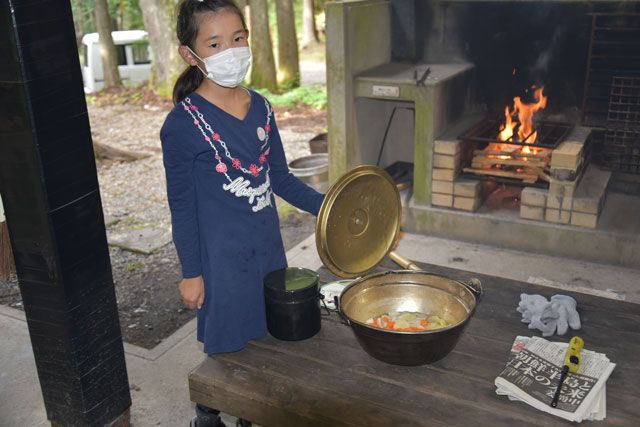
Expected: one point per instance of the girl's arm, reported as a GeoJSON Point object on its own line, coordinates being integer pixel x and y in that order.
{"type": "Point", "coordinates": [181, 193]}
{"type": "Point", "coordinates": [284, 183]}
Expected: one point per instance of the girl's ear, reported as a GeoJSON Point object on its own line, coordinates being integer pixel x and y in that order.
{"type": "Point", "coordinates": [187, 56]}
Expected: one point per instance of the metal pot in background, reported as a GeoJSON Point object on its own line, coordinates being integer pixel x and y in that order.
{"type": "Point", "coordinates": [313, 170]}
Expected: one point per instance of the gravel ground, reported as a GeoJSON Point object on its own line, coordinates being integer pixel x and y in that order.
{"type": "Point", "coordinates": [134, 196]}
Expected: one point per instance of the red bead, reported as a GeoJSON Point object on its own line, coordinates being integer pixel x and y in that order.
{"type": "Point", "coordinates": [216, 137]}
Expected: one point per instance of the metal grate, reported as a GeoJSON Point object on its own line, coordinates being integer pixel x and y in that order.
{"type": "Point", "coordinates": [614, 50]}
{"type": "Point", "coordinates": [550, 134]}
{"type": "Point", "coordinates": [624, 102]}
{"type": "Point", "coordinates": [618, 149]}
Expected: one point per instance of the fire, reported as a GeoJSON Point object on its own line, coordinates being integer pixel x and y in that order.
{"type": "Point", "coordinates": [507, 128]}
{"type": "Point", "coordinates": [508, 157]}
{"type": "Point", "coordinates": [525, 115]}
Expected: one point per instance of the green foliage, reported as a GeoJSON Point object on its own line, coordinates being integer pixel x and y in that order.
{"type": "Point", "coordinates": [315, 96]}
{"type": "Point", "coordinates": [126, 14]}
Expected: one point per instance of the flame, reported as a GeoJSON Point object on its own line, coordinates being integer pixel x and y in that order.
{"type": "Point", "coordinates": [525, 115]}
{"type": "Point", "coordinates": [507, 128]}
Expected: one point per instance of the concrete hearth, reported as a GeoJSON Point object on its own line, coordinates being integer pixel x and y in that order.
{"type": "Point", "coordinates": [382, 110]}
{"type": "Point", "coordinates": [615, 240]}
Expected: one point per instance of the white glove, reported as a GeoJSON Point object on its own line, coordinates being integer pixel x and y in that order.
{"type": "Point", "coordinates": [569, 304]}
{"type": "Point", "coordinates": [549, 316]}
{"type": "Point", "coordinates": [531, 307]}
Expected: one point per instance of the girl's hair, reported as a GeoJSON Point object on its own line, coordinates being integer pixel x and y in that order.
{"type": "Point", "coordinates": [187, 31]}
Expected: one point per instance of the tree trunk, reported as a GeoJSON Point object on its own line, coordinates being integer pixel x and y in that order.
{"type": "Point", "coordinates": [159, 18]}
{"type": "Point", "coordinates": [7, 264]}
{"type": "Point", "coordinates": [288, 65]}
{"type": "Point", "coordinates": [309, 31]}
{"type": "Point", "coordinates": [108, 53]}
{"type": "Point", "coordinates": [78, 21]}
{"type": "Point", "coordinates": [263, 71]}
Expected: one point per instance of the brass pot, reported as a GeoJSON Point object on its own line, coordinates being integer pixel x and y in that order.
{"type": "Point", "coordinates": [357, 226]}
{"type": "Point", "coordinates": [413, 291]}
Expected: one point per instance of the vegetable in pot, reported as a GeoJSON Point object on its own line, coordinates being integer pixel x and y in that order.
{"type": "Point", "coordinates": [407, 321]}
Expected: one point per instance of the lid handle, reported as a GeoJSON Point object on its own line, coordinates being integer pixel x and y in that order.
{"type": "Point", "coordinates": [403, 262]}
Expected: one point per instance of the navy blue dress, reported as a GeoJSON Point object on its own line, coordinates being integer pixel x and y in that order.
{"type": "Point", "coordinates": [221, 175]}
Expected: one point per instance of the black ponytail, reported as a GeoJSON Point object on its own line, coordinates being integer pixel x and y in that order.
{"type": "Point", "coordinates": [188, 81]}
{"type": "Point", "coordinates": [187, 30]}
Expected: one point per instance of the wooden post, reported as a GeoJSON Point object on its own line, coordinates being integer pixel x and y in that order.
{"type": "Point", "coordinates": [52, 203]}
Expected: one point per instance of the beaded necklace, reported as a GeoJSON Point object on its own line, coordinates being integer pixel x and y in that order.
{"type": "Point", "coordinates": [221, 167]}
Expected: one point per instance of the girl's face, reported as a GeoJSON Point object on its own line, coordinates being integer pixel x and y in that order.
{"type": "Point", "coordinates": [219, 31]}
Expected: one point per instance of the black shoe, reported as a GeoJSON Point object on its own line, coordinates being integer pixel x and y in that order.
{"type": "Point", "coordinates": [199, 422]}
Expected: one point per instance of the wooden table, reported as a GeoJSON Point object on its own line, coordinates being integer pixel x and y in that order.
{"type": "Point", "coordinates": [328, 380]}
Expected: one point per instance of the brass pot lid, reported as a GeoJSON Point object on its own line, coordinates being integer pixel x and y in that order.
{"type": "Point", "coordinates": [358, 222]}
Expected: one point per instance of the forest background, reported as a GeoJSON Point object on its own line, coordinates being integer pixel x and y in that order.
{"type": "Point", "coordinates": [280, 32]}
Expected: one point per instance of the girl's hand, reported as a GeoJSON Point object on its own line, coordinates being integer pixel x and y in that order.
{"type": "Point", "coordinates": [192, 291]}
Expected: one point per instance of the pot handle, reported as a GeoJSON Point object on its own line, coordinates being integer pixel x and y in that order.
{"type": "Point", "coordinates": [321, 298]}
{"type": "Point", "coordinates": [336, 302]}
{"type": "Point", "coordinates": [475, 285]}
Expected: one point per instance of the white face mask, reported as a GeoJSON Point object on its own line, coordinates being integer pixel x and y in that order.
{"type": "Point", "coordinates": [227, 68]}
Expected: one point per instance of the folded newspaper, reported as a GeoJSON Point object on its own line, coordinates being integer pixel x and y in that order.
{"type": "Point", "coordinates": [533, 372]}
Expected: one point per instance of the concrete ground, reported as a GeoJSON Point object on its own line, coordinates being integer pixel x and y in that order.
{"type": "Point", "coordinates": [158, 377]}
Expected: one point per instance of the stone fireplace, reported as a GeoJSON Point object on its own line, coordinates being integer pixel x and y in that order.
{"type": "Point", "coordinates": [425, 83]}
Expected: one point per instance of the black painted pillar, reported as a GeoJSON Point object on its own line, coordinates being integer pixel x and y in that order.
{"type": "Point", "coordinates": [49, 186]}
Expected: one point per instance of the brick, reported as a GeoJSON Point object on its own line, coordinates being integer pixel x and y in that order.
{"type": "Point", "coordinates": [556, 201]}
{"type": "Point", "coordinates": [562, 188]}
{"type": "Point", "coordinates": [469, 204]}
{"type": "Point", "coordinates": [445, 174]}
{"type": "Point", "coordinates": [447, 147]}
{"type": "Point", "coordinates": [445, 200]}
{"type": "Point", "coordinates": [532, 212]}
{"type": "Point", "coordinates": [532, 196]}
{"type": "Point", "coordinates": [467, 188]}
{"type": "Point", "coordinates": [584, 220]}
{"type": "Point", "coordinates": [569, 153]}
{"type": "Point", "coordinates": [446, 161]}
{"type": "Point", "coordinates": [566, 174]}
{"type": "Point", "coordinates": [558, 216]}
{"type": "Point", "coordinates": [442, 187]}
{"type": "Point", "coordinates": [591, 206]}
{"type": "Point", "coordinates": [592, 190]}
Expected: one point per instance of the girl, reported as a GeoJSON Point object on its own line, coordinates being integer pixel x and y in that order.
{"type": "Point", "coordinates": [224, 161]}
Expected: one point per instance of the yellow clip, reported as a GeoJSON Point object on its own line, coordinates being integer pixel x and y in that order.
{"type": "Point", "coordinates": [572, 360]}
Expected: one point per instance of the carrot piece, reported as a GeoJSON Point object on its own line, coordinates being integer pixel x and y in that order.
{"type": "Point", "coordinates": [423, 322]}
{"type": "Point", "coordinates": [389, 325]}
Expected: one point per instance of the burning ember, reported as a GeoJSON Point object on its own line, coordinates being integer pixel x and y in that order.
{"type": "Point", "coordinates": [505, 159]}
